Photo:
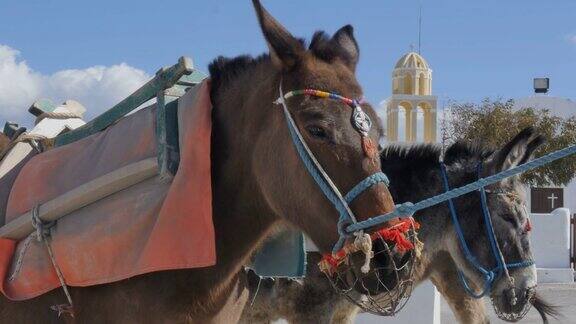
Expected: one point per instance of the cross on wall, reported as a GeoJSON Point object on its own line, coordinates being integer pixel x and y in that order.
{"type": "Point", "coordinates": [545, 200]}
{"type": "Point", "coordinates": [552, 199]}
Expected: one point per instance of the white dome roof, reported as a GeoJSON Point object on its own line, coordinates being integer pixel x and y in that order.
{"type": "Point", "coordinates": [412, 60]}
{"type": "Point", "coordinates": [560, 107]}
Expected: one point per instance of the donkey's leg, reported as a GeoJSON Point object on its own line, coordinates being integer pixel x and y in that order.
{"type": "Point", "coordinates": [311, 302]}
{"type": "Point", "coordinates": [344, 312]}
{"type": "Point", "coordinates": [468, 310]}
{"type": "Point", "coordinates": [258, 310]}
{"type": "Point", "coordinates": [303, 318]}
{"type": "Point", "coordinates": [260, 307]}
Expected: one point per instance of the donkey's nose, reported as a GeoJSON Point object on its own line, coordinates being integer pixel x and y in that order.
{"type": "Point", "coordinates": [373, 202]}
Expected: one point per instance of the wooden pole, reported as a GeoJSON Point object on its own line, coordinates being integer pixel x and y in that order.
{"type": "Point", "coordinates": [164, 79]}
{"type": "Point", "coordinates": [81, 196]}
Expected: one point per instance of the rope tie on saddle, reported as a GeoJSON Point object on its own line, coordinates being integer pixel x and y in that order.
{"type": "Point", "coordinates": [38, 142]}
{"type": "Point", "coordinates": [501, 268]}
{"type": "Point", "coordinates": [43, 235]}
{"type": "Point", "coordinates": [362, 123]}
{"type": "Point", "coordinates": [57, 115]}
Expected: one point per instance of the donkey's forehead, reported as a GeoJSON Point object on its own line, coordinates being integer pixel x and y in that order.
{"type": "Point", "coordinates": [513, 186]}
{"type": "Point", "coordinates": [511, 197]}
{"type": "Point", "coordinates": [332, 77]}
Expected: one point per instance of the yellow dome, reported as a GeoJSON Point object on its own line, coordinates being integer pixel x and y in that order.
{"type": "Point", "coordinates": [412, 60]}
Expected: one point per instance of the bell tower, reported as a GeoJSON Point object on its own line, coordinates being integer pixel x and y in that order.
{"type": "Point", "coordinates": [411, 90]}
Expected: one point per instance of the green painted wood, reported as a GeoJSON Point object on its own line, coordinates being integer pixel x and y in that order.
{"type": "Point", "coordinates": [176, 91]}
{"type": "Point", "coordinates": [192, 79]}
{"type": "Point", "coordinates": [172, 141]}
{"type": "Point", "coordinates": [169, 160]}
{"type": "Point", "coordinates": [42, 106]}
{"type": "Point", "coordinates": [185, 83]}
{"type": "Point", "coordinates": [161, 148]}
{"type": "Point", "coordinates": [168, 148]}
{"type": "Point", "coordinates": [164, 79]}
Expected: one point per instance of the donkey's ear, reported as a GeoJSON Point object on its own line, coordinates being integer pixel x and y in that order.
{"type": "Point", "coordinates": [346, 45]}
{"type": "Point", "coordinates": [532, 146]}
{"type": "Point", "coordinates": [515, 152]}
{"type": "Point", "coordinates": [285, 49]}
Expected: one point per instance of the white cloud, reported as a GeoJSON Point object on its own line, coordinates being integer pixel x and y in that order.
{"type": "Point", "coordinates": [571, 39]}
{"type": "Point", "coordinates": [97, 88]}
{"type": "Point", "coordinates": [19, 85]}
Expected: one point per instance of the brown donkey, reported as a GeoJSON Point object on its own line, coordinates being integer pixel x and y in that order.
{"type": "Point", "coordinates": [4, 141]}
{"type": "Point", "coordinates": [417, 168]}
{"type": "Point", "coordinates": [258, 179]}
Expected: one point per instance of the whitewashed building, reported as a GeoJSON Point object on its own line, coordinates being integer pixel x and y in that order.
{"type": "Point", "coordinates": [561, 107]}
{"type": "Point", "coordinates": [552, 207]}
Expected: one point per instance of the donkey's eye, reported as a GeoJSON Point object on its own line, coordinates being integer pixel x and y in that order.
{"type": "Point", "coordinates": [317, 132]}
{"type": "Point", "coordinates": [510, 219]}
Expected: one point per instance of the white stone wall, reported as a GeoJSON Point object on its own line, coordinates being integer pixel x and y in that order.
{"type": "Point", "coordinates": [570, 196]}
{"type": "Point", "coordinates": [550, 240]}
{"type": "Point", "coordinates": [561, 107]}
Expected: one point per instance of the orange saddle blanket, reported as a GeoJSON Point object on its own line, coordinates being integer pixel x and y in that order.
{"type": "Point", "coordinates": [151, 226]}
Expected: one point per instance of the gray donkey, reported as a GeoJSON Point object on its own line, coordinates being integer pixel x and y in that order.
{"type": "Point", "coordinates": [415, 174]}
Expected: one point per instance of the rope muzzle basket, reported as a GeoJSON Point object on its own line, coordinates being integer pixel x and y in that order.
{"type": "Point", "coordinates": [383, 286]}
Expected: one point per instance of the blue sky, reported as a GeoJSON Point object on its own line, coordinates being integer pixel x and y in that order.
{"type": "Point", "coordinates": [477, 49]}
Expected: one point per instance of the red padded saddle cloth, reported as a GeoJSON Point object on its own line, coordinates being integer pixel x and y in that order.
{"type": "Point", "coordinates": [151, 226]}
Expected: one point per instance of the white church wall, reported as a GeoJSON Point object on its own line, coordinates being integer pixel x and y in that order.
{"type": "Point", "coordinates": [550, 240]}
{"type": "Point", "coordinates": [570, 196]}
{"type": "Point", "coordinates": [561, 107]}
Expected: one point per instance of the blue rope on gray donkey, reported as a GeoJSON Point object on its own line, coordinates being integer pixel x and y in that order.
{"type": "Point", "coordinates": [408, 209]}
{"type": "Point", "coordinates": [501, 268]}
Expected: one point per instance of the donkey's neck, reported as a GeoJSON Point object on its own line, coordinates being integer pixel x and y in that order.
{"type": "Point", "coordinates": [415, 184]}
{"type": "Point", "coordinates": [434, 233]}
{"type": "Point", "coordinates": [242, 218]}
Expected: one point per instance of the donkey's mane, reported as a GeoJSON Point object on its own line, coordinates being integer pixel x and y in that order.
{"type": "Point", "coordinates": [424, 156]}
{"type": "Point", "coordinates": [414, 170]}
{"type": "Point", "coordinates": [223, 70]}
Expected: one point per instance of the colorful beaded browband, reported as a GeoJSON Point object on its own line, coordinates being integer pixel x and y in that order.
{"type": "Point", "coordinates": [321, 94]}
{"type": "Point", "coordinates": [360, 119]}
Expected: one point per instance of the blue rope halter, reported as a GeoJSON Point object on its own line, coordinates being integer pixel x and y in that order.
{"type": "Point", "coordinates": [490, 275]}
{"type": "Point", "coordinates": [347, 223]}
{"type": "Point", "coordinates": [327, 186]}
{"type": "Point", "coordinates": [407, 209]}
